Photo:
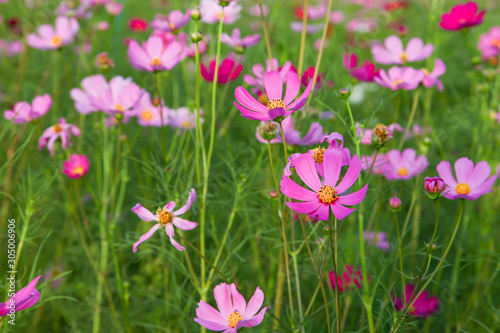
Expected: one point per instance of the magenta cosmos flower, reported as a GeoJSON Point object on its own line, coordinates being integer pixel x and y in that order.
{"type": "Point", "coordinates": [234, 313]}
{"type": "Point", "coordinates": [276, 107]}
{"type": "Point", "coordinates": [49, 38]}
{"type": "Point", "coordinates": [365, 72]}
{"type": "Point", "coordinates": [228, 71]}
{"type": "Point", "coordinates": [24, 112]}
{"type": "Point", "coordinates": [423, 306]}
{"type": "Point", "coordinates": [22, 300]}
{"type": "Point", "coordinates": [395, 78]}
{"type": "Point", "coordinates": [211, 12]}
{"type": "Point", "coordinates": [61, 130]}
{"type": "Point", "coordinates": [171, 22]}
{"type": "Point", "coordinates": [461, 16]}
{"type": "Point", "coordinates": [325, 195]}
{"type": "Point", "coordinates": [166, 218]}
{"type": "Point", "coordinates": [472, 181]}
{"type": "Point", "coordinates": [235, 40]}
{"type": "Point", "coordinates": [76, 167]}
{"type": "Point", "coordinates": [346, 280]}
{"type": "Point", "coordinates": [154, 55]}
{"type": "Point", "coordinates": [403, 165]}
{"type": "Point", "coordinates": [489, 43]}
{"type": "Point", "coordinates": [292, 136]}
{"type": "Point", "coordinates": [393, 52]}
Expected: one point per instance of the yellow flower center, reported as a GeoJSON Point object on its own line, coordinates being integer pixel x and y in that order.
{"type": "Point", "coordinates": [462, 21]}
{"type": "Point", "coordinates": [172, 26]}
{"type": "Point", "coordinates": [327, 194]}
{"type": "Point", "coordinates": [318, 154]}
{"type": "Point", "coordinates": [234, 318]}
{"type": "Point", "coordinates": [397, 82]}
{"type": "Point", "coordinates": [404, 57]}
{"type": "Point", "coordinates": [78, 171]}
{"type": "Point", "coordinates": [403, 172]}
{"type": "Point", "coordinates": [495, 42]}
{"type": "Point", "coordinates": [186, 124]}
{"type": "Point", "coordinates": [56, 41]}
{"type": "Point", "coordinates": [147, 115]}
{"type": "Point", "coordinates": [119, 107]}
{"type": "Point", "coordinates": [156, 62]}
{"type": "Point", "coordinates": [462, 188]}
{"type": "Point", "coordinates": [426, 72]}
{"type": "Point", "coordinates": [275, 103]}
{"type": "Point", "coordinates": [164, 216]}
{"type": "Point", "coordinates": [57, 128]}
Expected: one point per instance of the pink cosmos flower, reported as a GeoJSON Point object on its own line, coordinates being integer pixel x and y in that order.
{"type": "Point", "coordinates": [310, 28]}
{"type": "Point", "coordinates": [229, 70]}
{"type": "Point", "coordinates": [461, 16]}
{"type": "Point", "coordinates": [154, 55]}
{"type": "Point", "coordinates": [76, 167]}
{"type": "Point", "coordinates": [366, 134]}
{"type": "Point", "coordinates": [255, 10]}
{"type": "Point", "coordinates": [472, 181]}
{"type": "Point", "coordinates": [308, 75]}
{"type": "Point", "coordinates": [82, 10]}
{"type": "Point", "coordinates": [367, 161]}
{"type": "Point", "coordinates": [395, 78]}
{"type": "Point", "coordinates": [393, 52]}
{"type": "Point", "coordinates": [489, 43]}
{"type": "Point", "coordinates": [183, 118]}
{"type": "Point", "coordinates": [365, 72]}
{"type": "Point", "coordinates": [149, 114]}
{"type": "Point", "coordinates": [325, 195]}
{"type": "Point", "coordinates": [114, 7]}
{"type": "Point", "coordinates": [171, 22]}
{"type": "Point", "coordinates": [362, 25]}
{"type": "Point", "coordinates": [24, 112]}
{"type": "Point", "coordinates": [347, 280]}
{"type": "Point", "coordinates": [22, 300]}
{"type": "Point", "coordinates": [258, 71]}
{"type": "Point", "coordinates": [235, 40]}
{"type": "Point", "coordinates": [250, 108]}
{"type": "Point", "coordinates": [61, 130]}
{"type": "Point", "coordinates": [10, 49]}
{"type": "Point", "coordinates": [313, 12]}
{"type": "Point", "coordinates": [333, 143]}
{"type": "Point", "coordinates": [166, 218]}
{"type": "Point", "coordinates": [292, 136]}
{"type": "Point", "coordinates": [234, 313]}
{"type": "Point", "coordinates": [379, 239]}
{"type": "Point", "coordinates": [211, 12]}
{"type": "Point", "coordinates": [403, 165]}
{"type": "Point", "coordinates": [337, 16]}
{"type": "Point", "coordinates": [424, 306]}
{"type": "Point", "coordinates": [432, 79]}
{"type": "Point", "coordinates": [49, 38]}
{"type": "Point", "coordinates": [395, 203]}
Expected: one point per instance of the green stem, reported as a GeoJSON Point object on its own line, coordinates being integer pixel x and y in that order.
{"type": "Point", "coordinates": [400, 254]}
{"type": "Point", "coordinates": [333, 228]}
{"type": "Point", "coordinates": [303, 36]}
{"type": "Point", "coordinates": [157, 85]}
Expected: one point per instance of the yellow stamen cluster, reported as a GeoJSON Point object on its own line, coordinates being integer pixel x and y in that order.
{"type": "Point", "coordinates": [327, 194]}
{"type": "Point", "coordinates": [164, 216]}
{"type": "Point", "coordinates": [404, 57]}
{"type": "Point", "coordinates": [234, 318]}
{"type": "Point", "coordinates": [147, 115]}
{"type": "Point", "coordinates": [156, 62]}
{"type": "Point", "coordinates": [495, 42]}
{"type": "Point", "coordinates": [56, 41]}
{"type": "Point", "coordinates": [57, 128]}
{"type": "Point", "coordinates": [462, 188]}
{"type": "Point", "coordinates": [397, 82]}
{"type": "Point", "coordinates": [318, 154]}
{"type": "Point", "coordinates": [172, 26]}
{"type": "Point", "coordinates": [403, 172]}
{"type": "Point", "coordinates": [275, 103]}
{"type": "Point", "coordinates": [78, 171]}
{"type": "Point", "coordinates": [119, 107]}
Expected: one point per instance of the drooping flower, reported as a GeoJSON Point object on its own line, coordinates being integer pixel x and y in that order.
{"type": "Point", "coordinates": [137, 24]}
{"type": "Point", "coordinates": [228, 71]}
{"type": "Point", "coordinates": [76, 167]}
{"type": "Point", "coordinates": [367, 134]}
{"type": "Point", "coordinates": [423, 306]}
{"type": "Point", "coordinates": [461, 16]}
{"type": "Point", "coordinates": [292, 136]}
{"type": "Point", "coordinates": [395, 78]}
{"type": "Point", "coordinates": [154, 55]}
{"type": "Point", "coordinates": [327, 195]}
{"type": "Point", "coordinates": [471, 182]}
{"type": "Point", "coordinates": [259, 71]}
{"type": "Point", "coordinates": [393, 53]}
{"type": "Point", "coordinates": [403, 165]}
{"type": "Point", "coordinates": [379, 239]}
{"type": "Point", "coordinates": [234, 313]}
{"type": "Point", "coordinates": [61, 130]}
{"type": "Point", "coordinates": [489, 43]}
{"type": "Point", "coordinates": [22, 300]}
{"type": "Point", "coordinates": [365, 72]}
{"type": "Point", "coordinates": [211, 12]}
{"type": "Point", "coordinates": [149, 114]}
{"type": "Point", "coordinates": [24, 112]}
{"type": "Point", "coordinates": [235, 41]}
{"type": "Point", "coordinates": [171, 22]}
{"type": "Point", "coordinates": [277, 107]}
{"type": "Point", "coordinates": [183, 118]}
{"type": "Point", "coordinates": [166, 218]}
{"type": "Point", "coordinates": [50, 38]}
{"type": "Point", "coordinates": [347, 280]}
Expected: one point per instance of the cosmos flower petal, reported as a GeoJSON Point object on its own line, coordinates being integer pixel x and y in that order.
{"type": "Point", "coordinates": [254, 304]}
{"type": "Point", "coordinates": [463, 168]}
{"type": "Point", "coordinates": [340, 211]}
{"type": "Point", "coordinates": [244, 98]}
{"type": "Point", "coordinates": [184, 224]}
{"type": "Point", "coordinates": [189, 202]}
{"type": "Point", "coordinates": [210, 325]}
{"type": "Point", "coordinates": [307, 172]}
{"type": "Point", "coordinates": [304, 207]}
{"type": "Point", "coordinates": [207, 312]}
{"type": "Point", "coordinates": [481, 171]}
{"type": "Point", "coordinates": [273, 85]}
{"type": "Point", "coordinates": [332, 164]}
{"type": "Point", "coordinates": [292, 87]}
{"type": "Point", "coordinates": [353, 198]}
{"type": "Point", "coordinates": [351, 175]}
{"type": "Point", "coordinates": [292, 190]}
{"type": "Point", "coordinates": [143, 213]}
{"type": "Point", "coordinates": [444, 171]}
{"type": "Point", "coordinates": [222, 294]}
{"type": "Point", "coordinates": [146, 236]}
{"type": "Point", "coordinates": [170, 206]}
{"type": "Point", "coordinates": [322, 213]}
{"type": "Point", "coordinates": [239, 302]}
{"type": "Point", "coordinates": [169, 229]}
{"type": "Point", "coordinates": [254, 321]}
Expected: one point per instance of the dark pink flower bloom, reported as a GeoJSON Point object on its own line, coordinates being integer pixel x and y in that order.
{"type": "Point", "coordinates": [76, 167]}
{"type": "Point", "coordinates": [234, 313]}
{"type": "Point", "coordinates": [235, 40]}
{"type": "Point", "coordinates": [61, 130]}
{"type": "Point", "coordinates": [22, 300]}
{"type": "Point", "coordinates": [154, 55]}
{"type": "Point", "coordinates": [472, 181]}
{"type": "Point", "coordinates": [229, 70]}
{"type": "Point", "coordinates": [403, 165]}
{"type": "Point", "coordinates": [50, 38]}
{"type": "Point", "coordinates": [365, 72]}
{"type": "Point", "coordinates": [292, 136]}
{"type": "Point", "coordinates": [432, 78]}
{"type": "Point", "coordinates": [393, 52]}
{"type": "Point", "coordinates": [166, 218]}
{"type": "Point", "coordinates": [308, 75]}
{"type": "Point", "coordinates": [395, 78]}
{"type": "Point", "coordinates": [378, 239]}
{"type": "Point", "coordinates": [323, 196]}
{"type": "Point", "coordinates": [149, 114]}
{"type": "Point", "coordinates": [24, 112]}
{"type": "Point", "coordinates": [346, 280]}
{"type": "Point", "coordinates": [423, 306]}
{"type": "Point", "coordinates": [138, 24]}
{"type": "Point", "coordinates": [489, 43]}
{"type": "Point", "coordinates": [461, 16]}
{"type": "Point", "coordinates": [333, 143]}
{"type": "Point", "coordinates": [258, 71]}
{"type": "Point", "coordinates": [171, 22]}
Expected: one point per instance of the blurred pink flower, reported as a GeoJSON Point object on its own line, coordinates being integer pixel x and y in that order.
{"type": "Point", "coordinates": [76, 167]}
{"type": "Point", "coordinates": [22, 300]}
{"type": "Point", "coordinates": [333, 143]}
{"type": "Point", "coordinates": [149, 114]}
{"type": "Point", "coordinates": [137, 24]}
{"type": "Point", "coordinates": [61, 130]}
{"type": "Point", "coordinates": [403, 165]}
{"type": "Point", "coordinates": [362, 25]}
{"type": "Point", "coordinates": [347, 280]}
{"type": "Point", "coordinates": [395, 78]}
{"type": "Point", "coordinates": [392, 52]}
{"type": "Point", "coordinates": [292, 136]}
{"type": "Point", "coordinates": [166, 218]}
{"type": "Point", "coordinates": [24, 112]}
{"type": "Point", "coordinates": [188, 48]}
{"type": "Point", "coordinates": [103, 25]}
{"type": "Point", "coordinates": [211, 12]}
{"type": "Point", "coordinates": [489, 43]}
{"type": "Point", "coordinates": [154, 55]}
{"type": "Point", "coordinates": [395, 203]}
{"type": "Point", "coordinates": [461, 16]}
{"type": "Point", "coordinates": [68, 8]}
{"type": "Point", "coordinates": [255, 10]}
{"type": "Point", "coordinates": [423, 306]}
{"type": "Point", "coordinates": [258, 71]}
{"type": "Point", "coordinates": [114, 7]}
{"type": "Point", "coordinates": [379, 239]}
{"type": "Point", "coordinates": [432, 79]}
{"type": "Point", "coordinates": [367, 161]}
{"type": "Point", "coordinates": [313, 12]}
{"type": "Point", "coordinates": [49, 38]}
{"type": "Point", "coordinates": [308, 75]}
{"type": "Point", "coordinates": [310, 28]}
{"type": "Point", "coordinates": [183, 118]}
{"type": "Point", "coordinates": [234, 313]}
{"type": "Point", "coordinates": [228, 71]}
{"type": "Point", "coordinates": [337, 16]}
{"type": "Point", "coordinates": [365, 72]}
{"type": "Point", "coordinates": [11, 48]}
{"type": "Point", "coordinates": [171, 22]}
{"type": "Point", "coordinates": [235, 40]}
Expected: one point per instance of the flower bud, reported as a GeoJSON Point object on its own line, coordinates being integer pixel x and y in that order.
{"type": "Point", "coordinates": [434, 187]}
{"type": "Point", "coordinates": [273, 194]}
{"type": "Point", "coordinates": [395, 204]}
{"type": "Point", "coordinates": [195, 14]}
{"type": "Point", "coordinates": [344, 93]}
{"type": "Point", "coordinates": [380, 136]}
{"type": "Point", "coordinates": [432, 247]}
{"type": "Point", "coordinates": [103, 62]}
{"type": "Point", "coordinates": [267, 130]}
{"type": "Point", "coordinates": [196, 37]}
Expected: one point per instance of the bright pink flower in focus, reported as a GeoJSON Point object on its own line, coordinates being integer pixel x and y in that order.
{"type": "Point", "coordinates": [434, 187]}
{"type": "Point", "coordinates": [325, 195]}
{"type": "Point", "coordinates": [472, 181]}
{"type": "Point", "coordinates": [395, 78]}
{"type": "Point", "coordinates": [61, 130]}
{"type": "Point", "coordinates": [292, 136]}
{"type": "Point", "coordinates": [211, 12]}
{"type": "Point", "coordinates": [347, 280]}
{"type": "Point", "coordinates": [489, 43]}
{"type": "Point", "coordinates": [461, 16]}
{"type": "Point", "coordinates": [76, 167]}
{"type": "Point", "coordinates": [154, 55]}
{"type": "Point", "coordinates": [424, 306]}
{"type": "Point", "coordinates": [392, 52]}
{"type": "Point", "coordinates": [22, 300]}
{"type": "Point", "coordinates": [171, 22]}
{"type": "Point", "coordinates": [228, 71]}
{"type": "Point", "coordinates": [166, 218]}
{"type": "Point", "coordinates": [24, 112]}
{"type": "Point", "coordinates": [50, 38]}
{"type": "Point", "coordinates": [149, 114]}
{"type": "Point", "coordinates": [333, 143]}
{"type": "Point", "coordinates": [365, 72]}
{"type": "Point", "coordinates": [235, 40]}
{"type": "Point", "coordinates": [234, 313]}
{"type": "Point", "coordinates": [432, 79]}
{"type": "Point", "coordinates": [138, 24]}
{"type": "Point", "coordinates": [403, 165]}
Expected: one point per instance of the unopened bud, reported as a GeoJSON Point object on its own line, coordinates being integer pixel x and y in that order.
{"type": "Point", "coordinates": [196, 37]}
{"type": "Point", "coordinates": [344, 93]}
{"type": "Point", "coordinates": [103, 62]}
{"type": "Point", "coordinates": [434, 187]}
{"type": "Point", "coordinates": [395, 204]}
{"type": "Point", "coordinates": [268, 130]}
{"type": "Point", "coordinates": [432, 247]}
{"type": "Point", "coordinates": [273, 194]}
{"type": "Point", "coordinates": [195, 14]}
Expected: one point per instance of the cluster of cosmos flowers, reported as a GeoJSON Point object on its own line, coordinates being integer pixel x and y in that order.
{"type": "Point", "coordinates": [323, 183]}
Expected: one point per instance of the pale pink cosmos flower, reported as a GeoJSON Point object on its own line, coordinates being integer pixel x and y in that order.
{"type": "Point", "coordinates": [378, 163]}
{"type": "Point", "coordinates": [432, 79]}
{"type": "Point", "coordinates": [292, 136]}
{"type": "Point", "coordinates": [234, 313]}
{"type": "Point", "coordinates": [22, 300]}
{"type": "Point", "coordinates": [489, 43]}
{"type": "Point", "coordinates": [313, 12]}
{"type": "Point", "coordinates": [461, 16]}
{"type": "Point", "coordinates": [68, 8]}
{"type": "Point", "coordinates": [149, 114]}
{"type": "Point", "coordinates": [362, 25]}
{"type": "Point", "coordinates": [60, 130]}
{"type": "Point", "coordinates": [211, 12]}
{"type": "Point", "coordinates": [49, 38]}
{"type": "Point", "coordinates": [166, 218]}
{"type": "Point", "coordinates": [24, 112]}
{"type": "Point", "coordinates": [276, 107]}
{"type": "Point", "coordinates": [114, 7]}
{"type": "Point", "coordinates": [154, 55]}
{"type": "Point", "coordinates": [310, 28]}
{"type": "Point", "coordinates": [183, 118]}
{"type": "Point", "coordinates": [92, 85]}
{"type": "Point", "coordinates": [326, 195]}
{"type": "Point", "coordinates": [395, 78]}
{"type": "Point", "coordinates": [171, 22]}
{"type": "Point", "coordinates": [258, 71]}
{"type": "Point", "coordinates": [337, 16]}
{"type": "Point", "coordinates": [235, 40]}
{"type": "Point", "coordinates": [393, 52]}
{"type": "Point", "coordinates": [403, 165]}
{"type": "Point", "coordinates": [10, 49]}
{"type": "Point", "coordinates": [471, 182]}
{"type": "Point", "coordinates": [379, 239]}
{"type": "Point", "coordinates": [76, 166]}
{"type": "Point", "coordinates": [255, 10]}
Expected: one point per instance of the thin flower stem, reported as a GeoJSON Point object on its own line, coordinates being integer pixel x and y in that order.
{"type": "Point", "coordinates": [371, 167]}
{"type": "Point", "coordinates": [410, 119]}
{"type": "Point", "coordinates": [191, 271]}
{"type": "Point", "coordinates": [333, 229]}
{"type": "Point", "coordinates": [284, 142]}
{"type": "Point", "coordinates": [199, 128]}
{"type": "Point", "coordinates": [303, 36]}
{"type": "Point", "coordinates": [266, 35]}
{"type": "Point", "coordinates": [400, 255]}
